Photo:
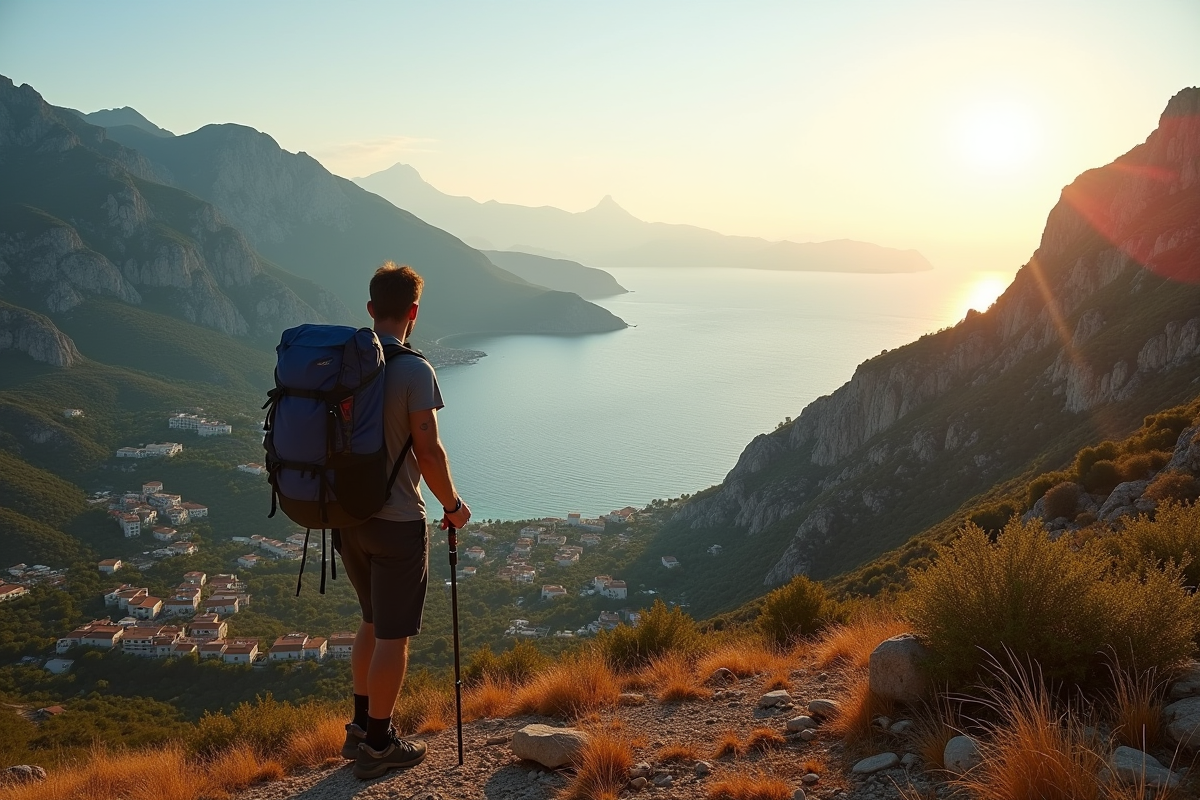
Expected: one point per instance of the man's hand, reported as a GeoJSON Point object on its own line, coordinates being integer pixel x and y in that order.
{"type": "Point", "coordinates": [457, 518]}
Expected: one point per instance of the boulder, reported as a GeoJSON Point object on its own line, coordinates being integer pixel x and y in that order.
{"type": "Point", "coordinates": [895, 669]}
{"type": "Point", "coordinates": [721, 677]}
{"type": "Point", "coordinates": [639, 783]}
{"type": "Point", "coordinates": [641, 770]}
{"type": "Point", "coordinates": [779, 697]}
{"type": "Point", "coordinates": [799, 795]}
{"type": "Point", "coordinates": [1183, 722]}
{"type": "Point", "coordinates": [1188, 683]}
{"type": "Point", "coordinates": [961, 755]}
{"type": "Point", "coordinates": [23, 773]}
{"type": "Point", "coordinates": [1128, 765]}
{"type": "Point", "coordinates": [808, 735]}
{"type": "Point", "coordinates": [550, 747]}
{"type": "Point", "coordinates": [801, 723]}
{"type": "Point", "coordinates": [1186, 457]}
{"type": "Point", "coordinates": [1121, 501]}
{"type": "Point", "coordinates": [875, 763]}
{"type": "Point", "coordinates": [822, 708]}
{"type": "Point", "coordinates": [702, 768]}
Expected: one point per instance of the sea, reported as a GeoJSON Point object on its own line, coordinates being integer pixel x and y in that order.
{"type": "Point", "coordinates": [547, 425]}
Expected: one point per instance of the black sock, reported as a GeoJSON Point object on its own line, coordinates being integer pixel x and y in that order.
{"type": "Point", "coordinates": [361, 701]}
{"type": "Point", "coordinates": [377, 732]}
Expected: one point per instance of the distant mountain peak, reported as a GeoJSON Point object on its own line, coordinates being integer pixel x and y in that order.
{"type": "Point", "coordinates": [114, 117]}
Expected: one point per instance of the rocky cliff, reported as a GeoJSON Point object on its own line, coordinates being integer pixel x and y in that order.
{"type": "Point", "coordinates": [35, 336]}
{"type": "Point", "coordinates": [1100, 327]}
{"type": "Point", "coordinates": [80, 217]}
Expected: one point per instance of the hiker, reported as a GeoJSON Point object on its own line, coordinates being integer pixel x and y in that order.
{"type": "Point", "coordinates": [387, 557]}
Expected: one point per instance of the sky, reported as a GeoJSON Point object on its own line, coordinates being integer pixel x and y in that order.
{"type": "Point", "coordinates": [949, 126]}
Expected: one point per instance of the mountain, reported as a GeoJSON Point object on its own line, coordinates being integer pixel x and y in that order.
{"type": "Point", "coordinates": [117, 117]}
{"type": "Point", "coordinates": [608, 236]}
{"type": "Point", "coordinates": [328, 230]}
{"type": "Point", "coordinates": [1100, 328]}
{"type": "Point", "coordinates": [559, 274]}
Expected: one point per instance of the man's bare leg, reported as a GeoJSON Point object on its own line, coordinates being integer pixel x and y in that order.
{"type": "Point", "coordinates": [386, 675]}
{"type": "Point", "coordinates": [360, 657]}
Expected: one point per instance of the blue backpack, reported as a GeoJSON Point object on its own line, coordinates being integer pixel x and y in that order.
{"type": "Point", "coordinates": [326, 454]}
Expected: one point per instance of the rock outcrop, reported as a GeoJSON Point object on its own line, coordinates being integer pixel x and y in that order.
{"type": "Point", "coordinates": [36, 336]}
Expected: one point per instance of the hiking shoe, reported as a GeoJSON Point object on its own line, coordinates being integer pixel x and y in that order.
{"type": "Point", "coordinates": [398, 753]}
{"type": "Point", "coordinates": [354, 737]}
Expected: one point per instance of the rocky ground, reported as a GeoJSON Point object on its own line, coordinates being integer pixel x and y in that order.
{"type": "Point", "coordinates": [814, 762]}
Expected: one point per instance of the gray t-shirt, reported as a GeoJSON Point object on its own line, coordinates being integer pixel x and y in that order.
{"type": "Point", "coordinates": [409, 385]}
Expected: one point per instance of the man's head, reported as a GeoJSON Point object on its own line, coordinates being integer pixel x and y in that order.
{"type": "Point", "coordinates": [395, 295]}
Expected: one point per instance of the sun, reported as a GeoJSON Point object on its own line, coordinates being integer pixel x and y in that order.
{"type": "Point", "coordinates": [997, 136]}
{"type": "Point", "coordinates": [980, 293]}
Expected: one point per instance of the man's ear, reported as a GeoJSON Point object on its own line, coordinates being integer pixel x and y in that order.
{"type": "Point", "coordinates": [371, 309]}
{"type": "Point", "coordinates": [412, 312]}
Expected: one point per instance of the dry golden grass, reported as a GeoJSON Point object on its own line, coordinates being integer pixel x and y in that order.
{"type": "Point", "coordinates": [933, 727]}
{"type": "Point", "coordinates": [676, 753]}
{"type": "Point", "coordinates": [1136, 706]}
{"type": "Point", "coordinates": [779, 679]}
{"type": "Point", "coordinates": [319, 744]}
{"type": "Point", "coordinates": [601, 770]}
{"type": "Point", "coordinates": [850, 645]}
{"type": "Point", "coordinates": [749, 787]}
{"type": "Point", "coordinates": [488, 698]}
{"type": "Point", "coordinates": [572, 687]}
{"type": "Point", "coordinates": [743, 657]}
{"type": "Point", "coordinates": [764, 739]}
{"type": "Point", "coordinates": [423, 710]}
{"type": "Point", "coordinates": [671, 678]}
{"type": "Point", "coordinates": [813, 765]}
{"type": "Point", "coordinates": [236, 769]}
{"type": "Point", "coordinates": [857, 706]}
{"type": "Point", "coordinates": [729, 744]}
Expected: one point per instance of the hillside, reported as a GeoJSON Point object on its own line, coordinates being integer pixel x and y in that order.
{"type": "Point", "coordinates": [557, 273]}
{"type": "Point", "coordinates": [328, 230]}
{"type": "Point", "coordinates": [608, 236]}
{"type": "Point", "coordinates": [1099, 329]}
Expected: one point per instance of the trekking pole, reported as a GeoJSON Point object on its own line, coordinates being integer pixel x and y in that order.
{"type": "Point", "coordinates": [452, 536]}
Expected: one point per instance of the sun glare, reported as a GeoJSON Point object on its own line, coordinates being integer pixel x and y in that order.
{"type": "Point", "coordinates": [983, 291]}
{"type": "Point", "coordinates": [997, 137]}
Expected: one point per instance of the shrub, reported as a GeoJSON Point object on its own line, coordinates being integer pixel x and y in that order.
{"type": "Point", "coordinates": [797, 608]}
{"type": "Point", "coordinates": [1102, 478]}
{"type": "Point", "coordinates": [1061, 501]}
{"type": "Point", "coordinates": [574, 686]}
{"type": "Point", "coordinates": [857, 707]}
{"type": "Point", "coordinates": [1086, 458]}
{"type": "Point", "coordinates": [602, 768]}
{"type": "Point", "coordinates": [660, 630]}
{"type": "Point", "coordinates": [744, 657]}
{"type": "Point", "coordinates": [1173, 535]}
{"type": "Point", "coordinates": [764, 739]}
{"type": "Point", "coordinates": [1139, 466]}
{"type": "Point", "coordinates": [1044, 601]}
{"type": "Point", "coordinates": [749, 787]}
{"type": "Point", "coordinates": [1179, 487]}
{"type": "Point", "coordinates": [993, 518]}
{"type": "Point", "coordinates": [676, 754]}
{"type": "Point", "coordinates": [264, 725]}
{"type": "Point", "coordinates": [487, 698]}
{"type": "Point", "coordinates": [517, 665]}
{"type": "Point", "coordinates": [729, 744]}
{"type": "Point", "coordinates": [1044, 483]}
{"type": "Point", "coordinates": [851, 644]}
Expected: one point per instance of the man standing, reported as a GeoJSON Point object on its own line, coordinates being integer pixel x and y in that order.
{"type": "Point", "coordinates": [387, 557]}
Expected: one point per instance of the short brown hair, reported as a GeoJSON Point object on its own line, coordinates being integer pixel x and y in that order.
{"type": "Point", "coordinates": [394, 289]}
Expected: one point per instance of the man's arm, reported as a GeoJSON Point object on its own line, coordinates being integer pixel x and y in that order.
{"type": "Point", "coordinates": [435, 464]}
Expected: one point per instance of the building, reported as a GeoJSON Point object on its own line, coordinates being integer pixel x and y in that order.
{"type": "Point", "coordinates": [552, 592]}
{"type": "Point", "coordinates": [212, 427]}
{"type": "Point", "coordinates": [110, 565]}
{"type": "Point", "coordinates": [616, 590]}
{"type": "Point", "coordinates": [609, 620]}
{"type": "Point", "coordinates": [289, 647]}
{"type": "Point", "coordinates": [574, 518]}
{"type": "Point", "coordinates": [166, 534]}
{"type": "Point", "coordinates": [212, 649]}
{"type": "Point", "coordinates": [131, 525]}
{"type": "Point", "coordinates": [565, 558]}
{"type": "Point", "coordinates": [163, 501]}
{"type": "Point", "coordinates": [72, 413]}
{"type": "Point", "coordinates": [341, 644]}
{"type": "Point", "coordinates": [147, 607]}
{"type": "Point", "coordinates": [316, 648]}
{"type": "Point", "coordinates": [249, 560]}
{"type": "Point", "coordinates": [523, 547]}
{"type": "Point", "coordinates": [670, 562]}
{"type": "Point", "coordinates": [184, 422]}
{"type": "Point", "coordinates": [130, 452]}
{"type": "Point", "coordinates": [164, 449]}
{"type": "Point", "coordinates": [208, 627]}
{"type": "Point", "coordinates": [181, 606]}
{"type": "Point", "coordinates": [57, 666]}
{"type": "Point", "coordinates": [715, 550]}
{"type": "Point", "coordinates": [225, 583]}
{"type": "Point", "coordinates": [151, 487]}
{"type": "Point", "coordinates": [183, 549]}
{"type": "Point", "coordinates": [468, 572]}
{"type": "Point", "coordinates": [532, 530]}
{"type": "Point", "coordinates": [241, 651]}
{"type": "Point", "coordinates": [98, 633]}
{"type": "Point", "coordinates": [222, 604]}
{"type": "Point", "coordinates": [178, 515]}
{"type": "Point", "coordinates": [622, 516]}
{"type": "Point", "coordinates": [184, 647]}
{"type": "Point", "coordinates": [145, 641]}
{"type": "Point", "coordinates": [475, 553]}
{"type": "Point", "coordinates": [11, 591]}
{"type": "Point", "coordinates": [195, 510]}
{"type": "Point", "coordinates": [589, 539]}
{"type": "Point", "coordinates": [146, 514]}
{"type": "Point", "coordinates": [195, 578]}
{"type": "Point", "coordinates": [127, 597]}
{"type": "Point", "coordinates": [252, 468]}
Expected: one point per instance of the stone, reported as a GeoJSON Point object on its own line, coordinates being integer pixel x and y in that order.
{"type": "Point", "coordinates": [1133, 766]}
{"type": "Point", "coordinates": [875, 763]}
{"type": "Point", "coordinates": [550, 747]}
{"type": "Point", "coordinates": [778, 697]}
{"type": "Point", "coordinates": [1183, 722]}
{"type": "Point", "coordinates": [811, 778]}
{"type": "Point", "coordinates": [883, 723]}
{"type": "Point", "coordinates": [961, 755]}
{"type": "Point", "coordinates": [639, 783]}
{"type": "Point", "coordinates": [640, 770]}
{"type": "Point", "coordinates": [901, 727]}
{"type": "Point", "coordinates": [500, 739]}
{"type": "Point", "coordinates": [721, 676]}
{"type": "Point", "coordinates": [702, 768]}
{"type": "Point", "coordinates": [1121, 500]}
{"type": "Point", "coordinates": [896, 669]}
{"type": "Point", "coordinates": [822, 708]}
{"type": "Point", "coordinates": [1186, 457]}
{"type": "Point", "coordinates": [631, 699]}
{"type": "Point", "coordinates": [801, 723]}
{"type": "Point", "coordinates": [663, 781]}
{"type": "Point", "coordinates": [909, 760]}
{"type": "Point", "coordinates": [1188, 684]}
{"type": "Point", "coordinates": [808, 735]}
{"type": "Point", "coordinates": [799, 795]}
{"type": "Point", "coordinates": [24, 773]}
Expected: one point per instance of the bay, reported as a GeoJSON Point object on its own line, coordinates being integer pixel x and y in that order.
{"type": "Point", "coordinates": [546, 425]}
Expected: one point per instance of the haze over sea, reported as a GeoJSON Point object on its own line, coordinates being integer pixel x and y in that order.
{"type": "Point", "coordinates": [548, 424]}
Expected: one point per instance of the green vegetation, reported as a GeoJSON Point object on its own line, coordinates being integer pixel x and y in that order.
{"type": "Point", "coordinates": [798, 608]}
{"type": "Point", "coordinates": [660, 630]}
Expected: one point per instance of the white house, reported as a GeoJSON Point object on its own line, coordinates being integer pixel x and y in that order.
{"type": "Point", "coordinates": [617, 590]}
{"type": "Point", "coordinates": [165, 534]}
{"type": "Point", "coordinates": [195, 510]}
{"type": "Point", "coordinates": [622, 516]}
{"type": "Point", "coordinates": [551, 592]}
{"type": "Point", "coordinates": [475, 553]}
{"type": "Point", "coordinates": [670, 562]}
{"type": "Point", "coordinates": [241, 651]}
{"type": "Point", "coordinates": [147, 607]}
{"type": "Point", "coordinates": [589, 539]}
{"type": "Point", "coordinates": [72, 413]}
{"type": "Point", "coordinates": [221, 604]}
{"type": "Point", "coordinates": [183, 548]}
{"type": "Point", "coordinates": [341, 644]}
{"type": "Point", "coordinates": [195, 578]}
{"type": "Point", "coordinates": [249, 560]}
{"type": "Point", "coordinates": [213, 649]}
{"type": "Point", "coordinates": [212, 427]}
{"type": "Point", "coordinates": [289, 647]}
{"type": "Point", "coordinates": [131, 525]}
{"type": "Point", "coordinates": [208, 627]}
{"type": "Point", "coordinates": [532, 530]}
{"type": "Point", "coordinates": [184, 422]}
{"type": "Point", "coordinates": [178, 515]}
{"type": "Point", "coordinates": [574, 518]}
{"type": "Point", "coordinates": [11, 591]}
{"type": "Point", "coordinates": [151, 487]}
{"type": "Point", "coordinates": [164, 449]}
{"type": "Point", "coordinates": [252, 468]}
{"type": "Point", "coordinates": [110, 565]}
{"type": "Point", "coordinates": [715, 550]}
{"type": "Point", "coordinates": [315, 648]}
{"type": "Point", "coordinates": [181, 606]}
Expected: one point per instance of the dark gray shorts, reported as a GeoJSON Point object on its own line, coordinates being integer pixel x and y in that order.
{"type": "Point", "coordinates": [388, 565]}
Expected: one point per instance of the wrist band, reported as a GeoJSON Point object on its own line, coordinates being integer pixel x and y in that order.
{"type": "Point", "coordinates": [457, 506]}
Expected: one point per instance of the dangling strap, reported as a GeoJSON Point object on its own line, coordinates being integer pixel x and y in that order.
{"type": "Point", "coordinates": [322, 561]}
{"type": "Point", "coordinates": [335, 543]}
{"type": "Point", "coordinates": [303, 561]}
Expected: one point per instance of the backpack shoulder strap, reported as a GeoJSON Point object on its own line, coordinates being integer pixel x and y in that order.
{"type": "Point", "coordinates": [391, 351]}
